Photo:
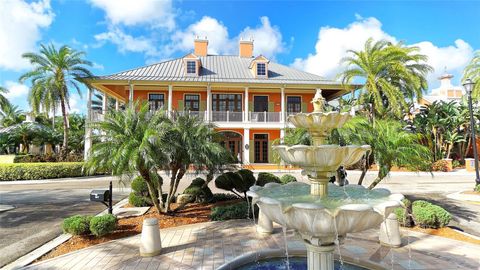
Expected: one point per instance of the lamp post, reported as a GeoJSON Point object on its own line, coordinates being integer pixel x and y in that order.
{"type": "Point", "coordinates": [469, 84]}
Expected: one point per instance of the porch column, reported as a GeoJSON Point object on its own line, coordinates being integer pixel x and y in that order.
{"type": "Point", "coordinates": [130, 94]}
{"type": "Point", "coordinates": [282, 135]}
{"type": "Point", "coordinates": [88, 130]}
{"type": "Point", "coordinates": [246, 141]}
{"type": "Point", "coordinates": [245, 115]}
{"type": "Point", "coordinates": [282, 106]}
{"type": "Point", "coordinates": [105, 103]}
{"type": "Point", "coordinates": [170, 98]}
{"type": "Point", "coordinates": [208, 114]}
{"type": "Point", "coordinates": [117, 105]}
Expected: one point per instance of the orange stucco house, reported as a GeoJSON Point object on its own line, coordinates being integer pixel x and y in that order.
{"type": "Point", "coordinates": [247, 97]}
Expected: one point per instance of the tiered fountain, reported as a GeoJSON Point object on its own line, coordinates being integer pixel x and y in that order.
{"type": "Point", "coordinates": [322, 213]}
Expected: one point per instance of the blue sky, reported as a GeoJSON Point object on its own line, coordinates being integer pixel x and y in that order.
{"type": "Point", "coordinates": [309, 35]}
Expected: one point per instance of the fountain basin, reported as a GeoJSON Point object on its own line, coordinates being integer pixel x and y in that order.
{"type": "Point", "coordinates": [325, 158]}
{"type": "Point", "coordinates": [319, 121]}
{"type": "Point", "coordinates": [323, 220]}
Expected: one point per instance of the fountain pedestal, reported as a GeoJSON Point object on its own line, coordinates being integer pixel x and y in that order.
{"type": "Point", "coordinates": [320, 257]}
{"type": "Point", "coordinates": [319, 183]}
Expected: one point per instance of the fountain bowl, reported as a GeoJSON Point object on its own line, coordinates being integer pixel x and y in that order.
{"type": "Point", "coordinates": [319, 121]}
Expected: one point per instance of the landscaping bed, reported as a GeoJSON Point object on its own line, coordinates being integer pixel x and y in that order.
{"type": "Point", "coordinates": [446, 232]}
{"type": "Point", "coordinates": [193, 213]}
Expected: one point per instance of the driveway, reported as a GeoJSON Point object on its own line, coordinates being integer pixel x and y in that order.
{"type": "Point", "coordinates": [39, 211]}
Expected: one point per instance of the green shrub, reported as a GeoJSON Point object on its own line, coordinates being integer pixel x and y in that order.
{"type": "Point", "coordinates": [102, 225]}
{"type": "Point", "coordinates": [138, 200]}
{"type": "Point", "coordinates": [287, 178]}
{"type": "Point", "coordinates": [477, 188]}
{"type": "Point", "coordinates": [265, 177]}
{"type": "Point", "coordinates": [428, 215]}
{"type": "Point", "coordinates": [402, 213]}
{"type": "Point", "coordinates": [77, 225]}
{"type": "Point", "coordinates": [247, 177]}
{"type": "Point", "coordinates": [36, 171]}
{"type": "Point", "coordinates": [233, 211]}
{"type": "Point", "coordinates": [201, 191]}
{"type": "Point", "coordinates": [456, 164]}
{"type": "Point", "coordinates": [240, 181]}
{"type": "Point", "coordinates": [221, 197]}
{"type": "Point", "coordinates": [29, 158]}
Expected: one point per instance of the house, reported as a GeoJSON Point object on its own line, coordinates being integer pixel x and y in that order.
{"type": "Point", "coordinates": [247, 97]}
{"type": "Point", "coordinates": [446, 92]}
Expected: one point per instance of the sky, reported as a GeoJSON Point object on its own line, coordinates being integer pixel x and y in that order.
{"type": "Point", "coordinates": [312, 36]}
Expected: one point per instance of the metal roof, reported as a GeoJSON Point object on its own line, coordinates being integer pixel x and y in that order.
{"type": "Point", "coordinates": [30, 125]}
{"type": "Point", "coordinates": [218, 68]}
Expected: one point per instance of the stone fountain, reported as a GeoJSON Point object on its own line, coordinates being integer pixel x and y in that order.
{"type": "Point", "coordinates": [322, 213]}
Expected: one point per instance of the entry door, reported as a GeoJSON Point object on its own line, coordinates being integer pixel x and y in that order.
{"type": "Point", "coordinates": [260, 148]}
{"type": "Point", "coordinates": [260, 106]}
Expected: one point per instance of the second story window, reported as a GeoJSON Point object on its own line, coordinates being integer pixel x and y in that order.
{"type": "Point", "coordinates": [261, 69]}
{"type": "Point", "coordinates": [192, 102]}
{"type": "Point", "coordinates": [294, 104]}
{"type": "Point", "coordinates": [191, 67]}
{"type": "Point", "coordinates": [156, 101]}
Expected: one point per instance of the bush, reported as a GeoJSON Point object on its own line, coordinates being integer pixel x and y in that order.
{"type": "Point", "coordinates": [247, 177]}
{"type": "Point", "coordinates": [403, 214]}
{"type": "Point", "coordinates": [265, 177]}
{"type": "Point", "coordinates": [102, 225]}
{"type": "Point", "coordinates": [456, 164]}
{"type": "Point", "coordinates": [140, 196]}
{"type": "Point", "coordinates": [428, 215]}
{"type": "Point", "coordinates": [440, 166]}
{"type": "Point", "coordinates": [233, 211]}
{"type": "Point", "coordinates": [36, 171]}
{"type": "Point", "coordinates": [77, 225]}
{"type": "Point", "coordinates": [240, 181]}
{"type": "Point", "coordinates": [477, 188]}
{"type": "Point", "coordinates": [48, 158]}
{"type": "Point", "coordinates": [201, 191]}
{"type": "Point", "coordinates": [221, 197]}
{"type": "Point", "coordinates": [138, 200]}
{"type": "Point", "coordinates": [287, 178]}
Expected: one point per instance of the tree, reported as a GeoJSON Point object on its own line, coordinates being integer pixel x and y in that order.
{"type": "Point", "coordinates": [472, 71]}
{"type": "Point", "coordinates": [391, 145]}
{"type": "Point", "coordinates": [391, 73]}
{"type": "Point", "coordinates": [54, 73]}
{"type": "Point", "coordinates": [3, 100]}
{"type": "Point", "coordinates": [11, 115]}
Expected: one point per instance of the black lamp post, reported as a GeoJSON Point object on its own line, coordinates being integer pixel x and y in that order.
{"type": "Point", "coordinates": [469, 88]}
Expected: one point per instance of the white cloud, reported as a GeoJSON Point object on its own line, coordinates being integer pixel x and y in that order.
{"type": "Point", "coordinates": [77, 104]}
{"type": "Point", "coordinates": [16, 91]}
{"type": "Point", "coordinates": [126, 42]}
{"type": "Point", "coordinates": [20, 29]}
{"type": "Point", "coordinates": [333, 43]}
{"type": "Point", "coordinates": [155, 13]}
{"type": "Point", "coordinates": [268, 38]}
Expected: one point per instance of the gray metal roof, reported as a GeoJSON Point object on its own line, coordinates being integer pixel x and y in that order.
{"type": "Point", "coordinates": [30, 125]}
{"type": "Point", "coordinates": [218, 68]}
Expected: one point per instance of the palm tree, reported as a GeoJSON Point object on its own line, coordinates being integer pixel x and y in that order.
{"type": "Point", "coordinates": [3, 100]}
{"type": "Point", "coordinates": [391, 73]}
{"type": "Point", "coordinates": [11, 115]}
{"type": "Point", "coordinates": [472, 71]}
{"type": "Point", "coordinates": [391, 145]}
{"type": "Point", "coordinates": [54, 73]}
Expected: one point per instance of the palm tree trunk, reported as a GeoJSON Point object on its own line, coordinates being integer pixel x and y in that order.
{"type": "Point", "coordinates": [382, 173]}
{"type": "Point", "coordinates": [364, 170]}
{"type": "Point", "coordinates": [65, 129]}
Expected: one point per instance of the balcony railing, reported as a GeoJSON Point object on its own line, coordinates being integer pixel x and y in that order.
{"type": "Point", "coordinates": [97, 116]}
{"type": "Point", "coordinates": [264, 117]}
{"type": "Point", "coordinates": [199, 114]}
{"type": "Point", "coordinates": [227, 116]}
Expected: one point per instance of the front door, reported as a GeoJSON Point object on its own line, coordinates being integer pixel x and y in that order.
{"type": "Point", "coordinates": [233, 142]}
{"type": "Point", "coordinates": [260, 142]}
{"type": "Point", "coordinates": [260, 106]}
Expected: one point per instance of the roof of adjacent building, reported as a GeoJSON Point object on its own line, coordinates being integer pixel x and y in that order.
{"type": "Point", "coordinates": [218, 68]}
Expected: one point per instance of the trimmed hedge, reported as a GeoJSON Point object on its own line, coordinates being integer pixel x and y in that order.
{"type": "Point", "coordinates": [428, 215]}
{"type": "Point", "coordinates": [287, 178]}
{"type": "Point", "coordinates": [265, 177]}
{"type": "Point", "coordinates": [477, 188]}
{"type": "Point", "coordinates": [102, 225]}
{"type": "Point", "coordinates": [202, 193]}
{"type": "Point", "coordinates": [37, 171]}
{"type": "Point", "coordinates": [233, 211]}
{"type": "Point", "coordinates": [77, 225]}
{"type": "Point", "coordinates": [221, 197]}
{"type": "Point", "coordinates": [140, 197]}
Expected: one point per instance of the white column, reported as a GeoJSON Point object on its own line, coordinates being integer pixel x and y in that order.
{"type": "Point", "coordinates": [245, 115]}
{"type": "Point", "coordinates": [282, 135]}
{"type": "Point", "coordinates": [88, 130]}
{"type": "Point", "coordinates": [282, 105]}
{"type": "Point", "coordinates": [117, 105]}
{"type": "Point", "coordinates": [209, 104]}
{"type": "Point", "coordinates": [105, 103]}
{"type": "Point", "coordinates": [246, 141]}
{"type": "Point", "coordinates": [170, 98]}
{"type": "Point", "coordinates": [130, 96]}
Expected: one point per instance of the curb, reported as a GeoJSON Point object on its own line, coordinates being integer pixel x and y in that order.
{"type": "Point", "coordinates": [464, 197]}
{"type": "Point", "coordinates": [47, 247]}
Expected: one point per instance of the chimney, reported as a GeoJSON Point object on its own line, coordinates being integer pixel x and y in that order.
{"type": "Point", "coordinates": [201, 46]}
{"type": "Point", "coordinates": [246, 48]}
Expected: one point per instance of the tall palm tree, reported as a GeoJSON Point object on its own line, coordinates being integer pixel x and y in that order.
{"type": "Point", "coordinates": [55, 73]}
{"type": "Point", "coordinates": [472, 71]}
{"type": "Point", "coordinates": [11, 115]}
{"type": "Point", "coordinates": [3, 100]}
{"type": "Point", "coordinates": [391, 73]}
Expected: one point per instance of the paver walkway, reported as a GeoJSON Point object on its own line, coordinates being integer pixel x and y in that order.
{"type": "Point", "coordinates": [209, 245]}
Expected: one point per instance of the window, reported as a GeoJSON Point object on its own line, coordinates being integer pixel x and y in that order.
{"type": "Point", "coordinates": [261, 69]}
{"type": "Point", "coordinates": [294, 104]}
{"type": "Point", "coordinates": [191, 67]}
{"type": "Point", "coordinates": [192, 102]}
{"type": "Point", "coordinates": [227, 102]}
{"type": "Point", "coordinates": [156, 101]}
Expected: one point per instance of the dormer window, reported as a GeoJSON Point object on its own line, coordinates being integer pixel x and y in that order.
{"type": "Point", "coordinates": [261, 69]}
{"type": "Point", "coordinates": [191, 67]}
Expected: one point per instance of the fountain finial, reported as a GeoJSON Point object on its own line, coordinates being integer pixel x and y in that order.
{"type": "Point", "coordinates": [318, 101]}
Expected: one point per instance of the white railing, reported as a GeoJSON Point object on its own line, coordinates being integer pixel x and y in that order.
{"type": "Point", "coordinates": [199, 114]}
{"type": "Point", "coordinates": [227, 116]}
{"type": "Point", "coordinates": [97, 116]}
{"type": "Point", "coordinates": [264, 117]}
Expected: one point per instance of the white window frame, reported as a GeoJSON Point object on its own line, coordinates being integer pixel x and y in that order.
{"type": "Point", "coordinates": [194, 67]}
{"type": "Point", "coordinates": [264, 69]}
